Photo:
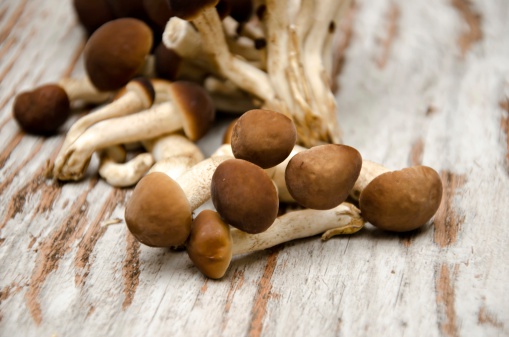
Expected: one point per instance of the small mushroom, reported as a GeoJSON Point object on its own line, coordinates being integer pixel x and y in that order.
{"type": "Point", "coordinates": [159, 212]}
{"type": "Point", "coordinates": [397, 201]}
{"type": "Point", "coordinates": [212, 243]}
{"type": "Point", "coordinates": [46, 108]}
{"type": "Point", "coordinates": [92, 14]}
{"type": "Point", "coordinates": [244, 195]}
{"type": "Point", "coordinates": [263, 137]}
{"type": "Point", "coordinates": [116, 52]}
{"type": "Point", "coordinates": [190, 109]}
{"type": "Point", "coordinates": [323, 176]}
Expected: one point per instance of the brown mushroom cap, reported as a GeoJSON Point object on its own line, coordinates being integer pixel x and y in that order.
{"type": "Point", "coordinates": [403, 200]}
{"type": "Point", "coordinates": [189, 9]}
{"type": "Point", "coordinates": [322, 176]}
{"type": "Point", "coordinates": [116, 52]}
{"type": "Point", "coordinates": [167, 62]}
{"type": "Point", "coordinates": [244, 195]}
{"type": "Point", "coordinates": [92, 14]}
{"type": "Point", "coordinates": [43, 110]}
{"type": "Point", "coordinates": [158, 11]}
{"type": "Point", "coordinates": [263, 137]}
{"type": "Point", "coordinates": [210, 244]}
{"type": "Point", "coordinates": [196, 106]}
{"type": "Point", "coordinates": [158, 213]}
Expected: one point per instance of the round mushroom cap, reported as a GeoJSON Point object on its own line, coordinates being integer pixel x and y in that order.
{"type": "Point", "coordinates": [263, 137]}
{"type": "Point", "coordinates": [43, 110]}
{"type": "Point", "coordinates": [116, 52]}
{"type": "Point", "coordinates": [244, 195]}
{"type": "Point", "coordinates": [402, 201]}
{"type": "Point", "coordinates": [92, 14]}
{"type": "Point", "coordinates": [210, 244]}
{"type": "Point", "coordinates": [189, 9]}
{"type": "Point", "coordinates": [323, 176]}
{"type": "Point", "coordinates": [196, 107]}
{"type": "Point", "coordinates": [158, 213]}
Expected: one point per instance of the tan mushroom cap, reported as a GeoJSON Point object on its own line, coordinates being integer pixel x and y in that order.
{"type": "Point", "coordinates": [263, 137]}
{"type": "Point", "coordinates": [196, 106]}
{"type": "Point", "coordinates": [322, 176]}
{"type": "Point", "coordinates": [42, 110]}
{"type": "Point", "coordinates": [210, 244]}
{"type": "Point", "coordinates": [244, 195]}
{"type": "Point", "coordinates": [158, 213]}
{"type": "Point", "coordinates": [402, 200]}
{"type": "Point", "coordinates": [116, 52]}
{"type": "Point", "coordinates": [189, 9]}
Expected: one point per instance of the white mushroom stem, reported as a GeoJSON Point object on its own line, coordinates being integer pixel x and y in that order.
{"type": "Point", "coordinates": [120, 174]}
{"type": "Point", "coordinates": [343, 219]}
{"type": "Point", "coordinates": [82, 89]}
{"type": "Point", "coordinates": [227, 96]}
{"type": "Point", "coordinates": [244, 75]}
{"type": "Point", "coordinates": [196, 181]}
{"type": "Point", "coordinates": [278, 176]}
{"type": "Point", "coordinates": [133, 100]}
{"type": "Point", "coordinates": [369, 171]}
{"type": "Point", "coordinates": [154, 122]}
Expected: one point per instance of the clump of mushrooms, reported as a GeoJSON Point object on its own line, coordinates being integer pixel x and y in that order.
{"type": "Point", "coordinates": [295, 77]}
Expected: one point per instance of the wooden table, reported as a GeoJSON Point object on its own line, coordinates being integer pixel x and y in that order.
{"type": "Point", "coordinates": [422, 82]}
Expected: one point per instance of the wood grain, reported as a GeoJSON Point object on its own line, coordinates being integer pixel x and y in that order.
{"type": "Point", "coordinates": [419, 83]}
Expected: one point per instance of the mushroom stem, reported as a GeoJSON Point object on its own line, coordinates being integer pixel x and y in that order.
{"type": "Point", "coordinates": [154, 122]}
{"type": "Point", "coordinates": [120, 174]}
{"type": "Point", "coordinates": [83, 89]}
{"type": "Point", "coordinates": [369, 171]}
{"type": "Point", "coordinates": [244, 75]}
{"type": "Point", "coordinates": [343, 219]}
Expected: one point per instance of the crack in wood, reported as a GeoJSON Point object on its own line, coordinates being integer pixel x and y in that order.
{"type": "Point", "coordinates": [95, 231]}
{"type": "Point", "coordinates": [474, 21]}
{"type": "Point", "coordinates": [131, 269]}
{"type": "Point", "coordinates": [448, 219]}
{"type": "Point", "coordinates": [263, 295]}
{"type": "Point", "coordinates": [53, 249]}
{"type": "Point", "coordinates": [7, 151]}
{"type": "Point", "coordinates": [392, 32]}
{"type": "Point", "coordinates": [346, 27]}
{"type": "Point", "coordinates": [489, 318]}
{"type": "Point", "coordinates": [445, 296]}
{"type": "Point", "coordinates": [504, 125]}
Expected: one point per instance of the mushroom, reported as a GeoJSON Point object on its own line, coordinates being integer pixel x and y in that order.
{"type": "Point", "coordinates": [138, 95]}
{"type": "Point", "coordinates": [263, 137]}
{"type": "Point", "coordinates": [397, 201]}
{"type": "Point", "coordinates": [244, 195]}
{"type": "Point", "coordinates": [92, 14]}
{"type": "Point", "coordinates": [116, 52]}
{"type": "Point", "coordinates": [212, 243]}
{"type": "Point", "coordinates": [159, 211]}
{"type": "Point", "coordinates": [190, 109]}
{"type": "Point", "coordinates": [323, 176]}
{"type": "Point", "coordinates": [46, 108]}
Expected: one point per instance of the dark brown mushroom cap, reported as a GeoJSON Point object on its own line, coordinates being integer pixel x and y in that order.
{"type": "Point", "coordinates": [158, 213]}
{"type": "Point", "coordinates": [158, 11]}
{"type": "Point", "coordinates": [92, 14]}
{"type": "Point", "coordinates": [403, 200]}
{"type": "Point", "coordinates": [244, 195]}
{"type": "Point", "coordinates": [43, 110]}
{"type": "Point", "coordinates": [189, 9]}
{"type": "Point", "coordinates": [322, 176]}
{"type": "Point", "coordinates": [116, 52]}
{"type": "Point", "coordinates": [167, 62]}
{"type": "Point", "coordinates": [263, 137]}
{"type": "Point", "coordinates": [210, 244]}
{"type": "Point", "coordinates": [196, 106]}
{"type": "Point", "coordinates": [127, 8]}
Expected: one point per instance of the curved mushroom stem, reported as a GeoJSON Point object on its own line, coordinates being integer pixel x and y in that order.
{"type": "Point", "coordinates": [119, 174]}
{"type": "Point", "coordinates": [244, 75]}
{"type": "Point", "coordinates": [343, 219]}
{"type": "Point", "coordinates": [369, 171]}
{"type": "Point", "coordinates": [134, 100]}
{"type": "Point", "coordinates": [159, 120]}
{"type": "Point", "coordinates": [83, 89]}
{"type": "Point", "coordinates": [278, 176]}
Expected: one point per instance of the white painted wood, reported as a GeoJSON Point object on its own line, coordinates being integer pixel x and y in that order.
{"type": "Point", "coordinates": [418, 85]}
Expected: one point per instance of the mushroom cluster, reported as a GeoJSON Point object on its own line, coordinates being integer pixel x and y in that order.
{"type": "Point", "coordinates": [268, 61]}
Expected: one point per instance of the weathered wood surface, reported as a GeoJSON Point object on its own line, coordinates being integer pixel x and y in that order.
{"type": "Point", "coordinates": [420, 82]}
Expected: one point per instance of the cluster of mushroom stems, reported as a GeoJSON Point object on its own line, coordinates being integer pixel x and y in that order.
{"type": "Point", "coordinates": [269, 62]}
